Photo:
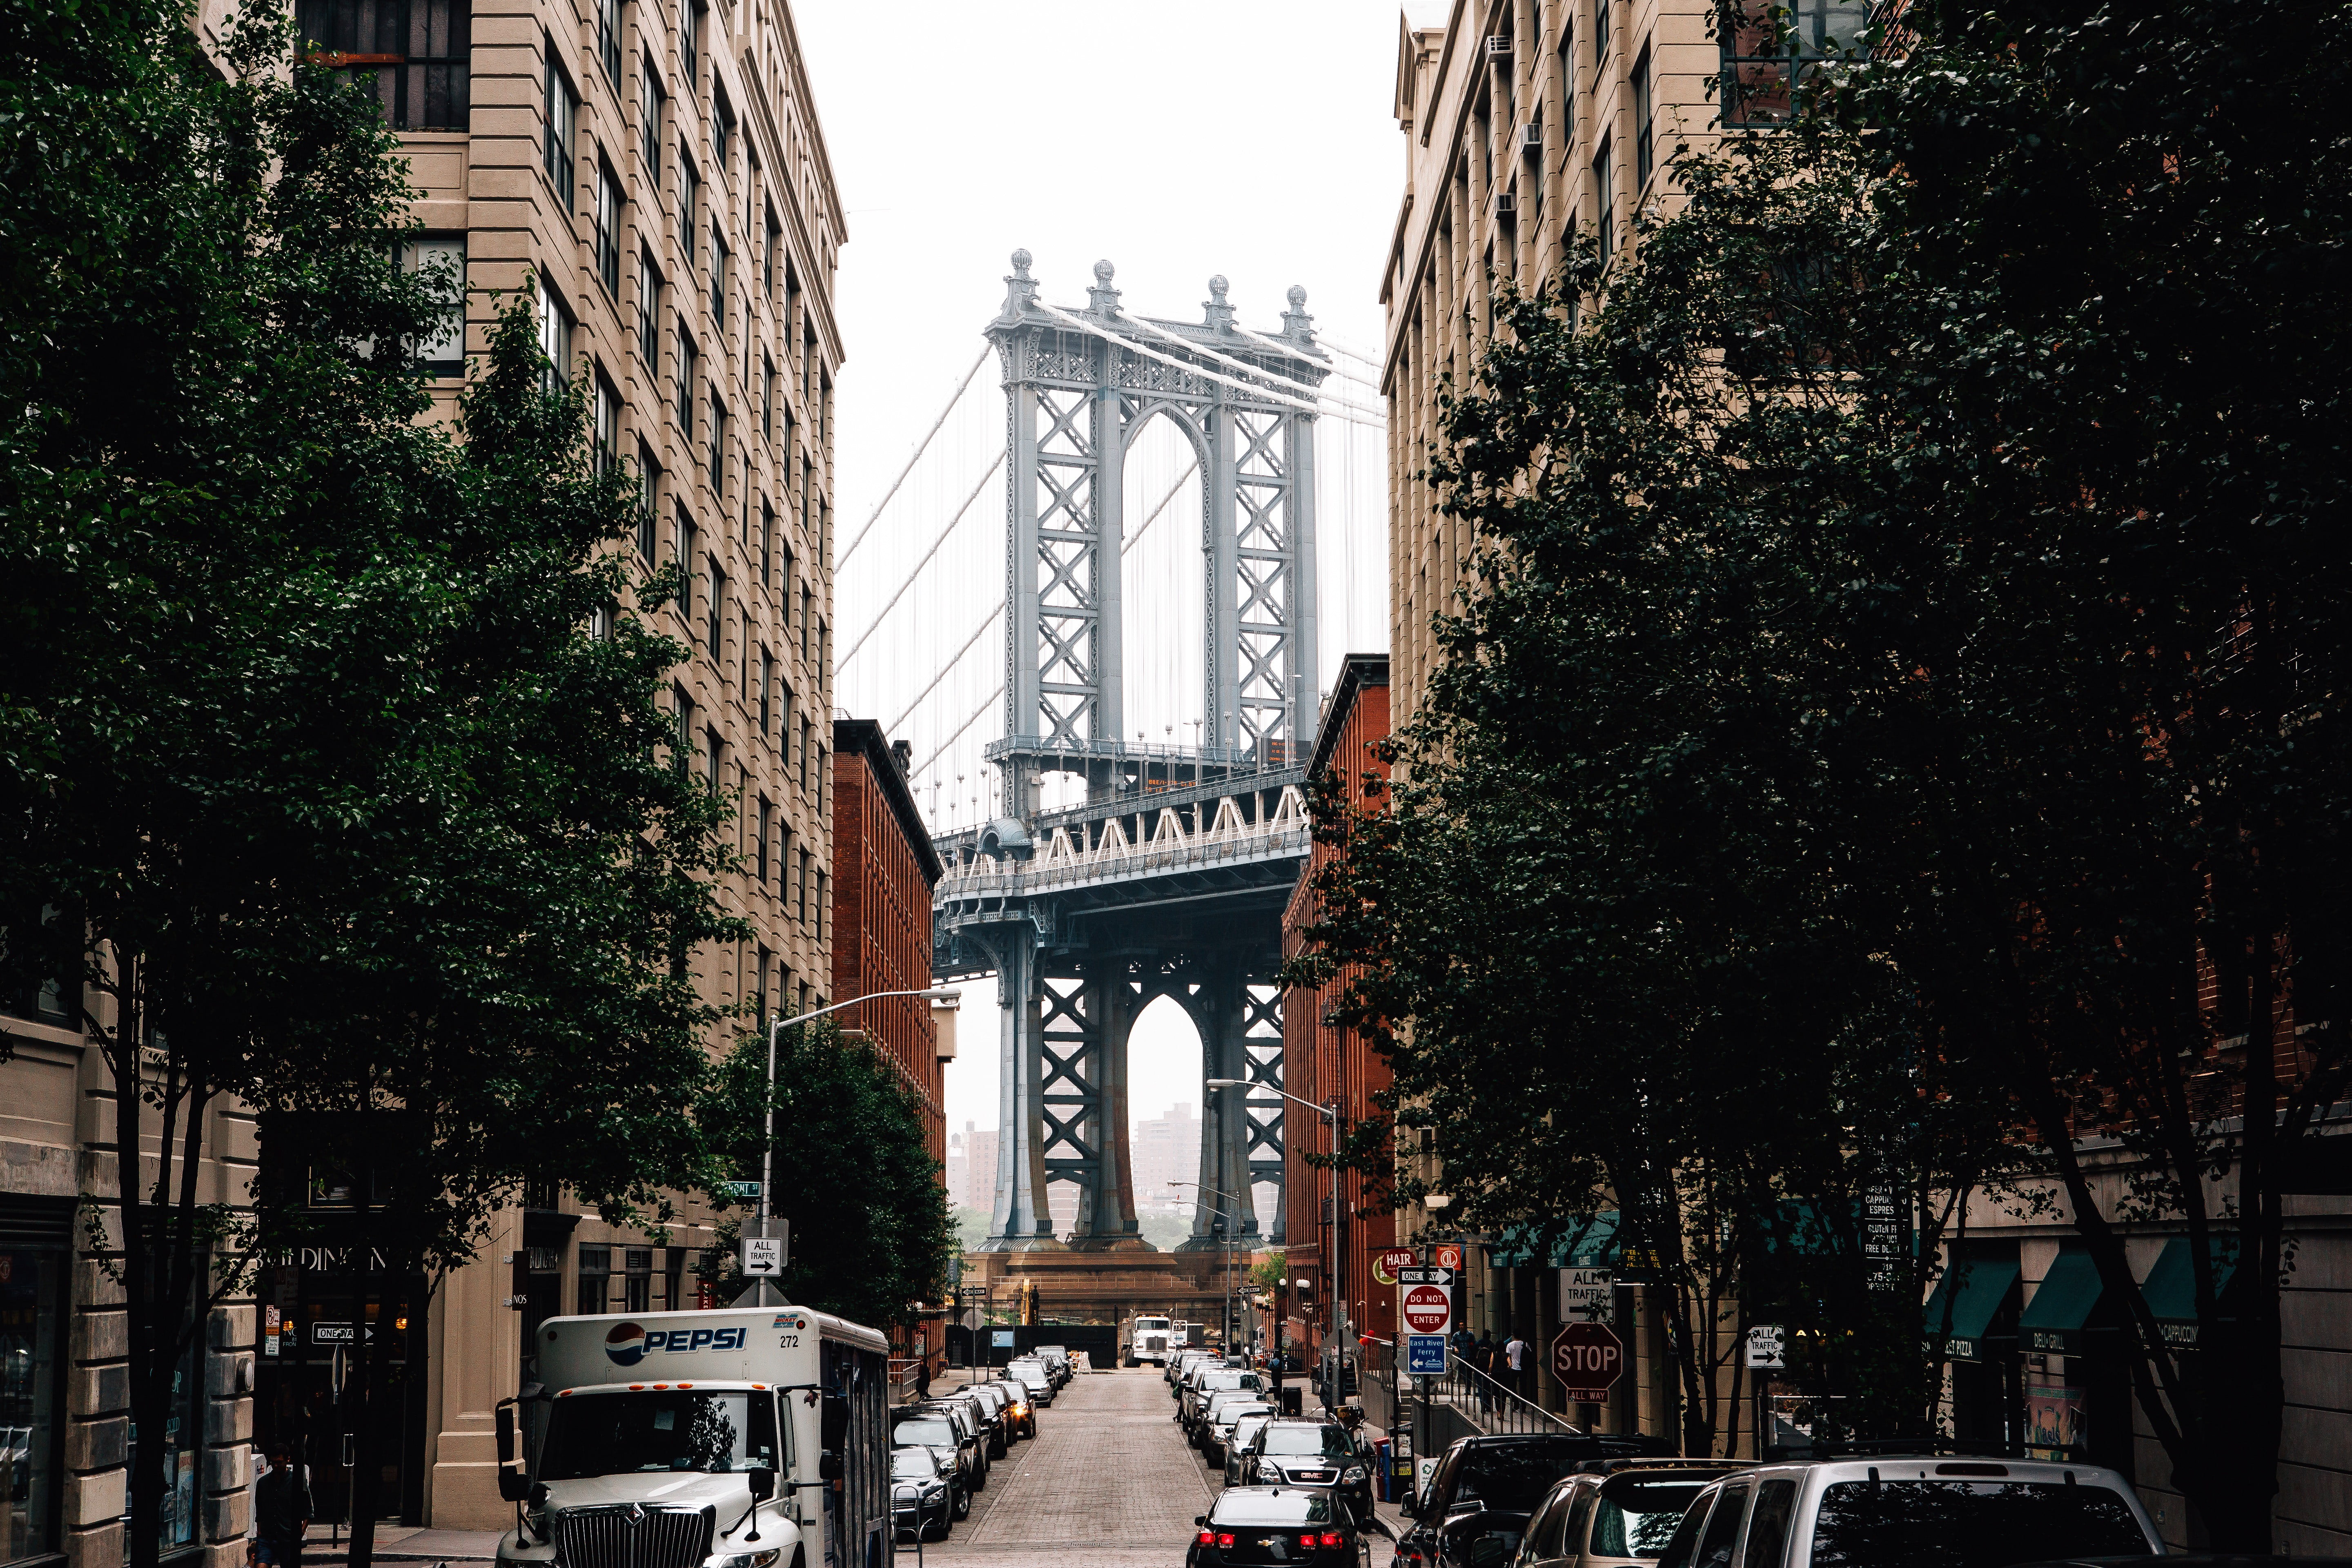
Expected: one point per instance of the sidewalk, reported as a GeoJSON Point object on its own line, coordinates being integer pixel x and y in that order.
{"type": "Point", "coordinates": [402, 1544]}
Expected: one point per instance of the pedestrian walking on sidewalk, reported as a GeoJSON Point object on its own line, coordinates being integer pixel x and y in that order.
{"type": "Point", "coordinates": [281, 1512]}
{"type": "Point", "coordinates": [1520, 1355]}
{"type": "Point", "coordinates": [1482, 1358]}
{"type": "Point", "coordinates": [922, 1377]}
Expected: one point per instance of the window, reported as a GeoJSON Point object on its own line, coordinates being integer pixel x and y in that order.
{"type": "Point", "coordinates": [649, 116]}
{"type": "Point", "coordinates": [684, 542]}
{"type": "Point", "coordinates": [648, 472]}
{"type": "Point", "coordinates": [784, 722]}
{"type": "Point", "coordinates": [722, 126]}
{"type": "Point", "coordinates": [820, 906]}
{"type": "Point", "coordinates": [1604, 200]}
{"type": "Point", "coordinates": [1601, 29]}
{"type": "Point", "coordinates": [767, 397]}
{"type": "Point", "coordinates": [34, 1270]}
{"type": "Point", "coordinates": [1968, 1524]}
{"type": "Point", "coordinates": [554, 337]}
{"type": "Point", "coordinates": [608, 229]}
{"type": "Point", "coordinates": [682, 748]}
{"type": "Point", "coordinates": [442, 351]}
{"type": "Point", "coordinates": [713, 611]}
{"type": "Point", "coordinates": [767, 825]}
{"type": "Point", "coordinates": [767, 537]}
{"type": "Point", "coordinates": [804, 750]}
{"type": "Point", "coordinates": [637, 1294]}
{"type": "Point", "coordinates": [595, 1279]}
{"type": "Point", "coordinates": [685, 358]}
{"type": "Point", "coordinates": [648, 299]}
{"type": "Point", "coordinates": [1641, 115]}
{"type": "Point", "coordinates": [717, 750]}
{"type": "Point", "coordinates": [606, 451]}
{"type": "Point", "coordinates": [1638, 1514]}
{"type": "Point", "coordinates": [760, 979]}
{"type": "Point", "coordinates": [718, 445]}
{"type": "Point", "coordinates": [1770, 47]}
{"type": "Point", "coordinates": [689, 187]}
{"type": "Point", "coordinates": [600, 622]}
{"type": "Point", "coordinates": [419, 54]}
{"type": "Point", "coordinates": [768, 259]}
{"type": "Point", "coordinates": [1768, 1525]}
{"type": "Point", "coordinates": [689, 35]}
{"type": "Point", "coordinates": [743, 658]}
{"type": "Point", "coordinates": [767, 689]}
{"type": "Point", "coordinates": [808, 618]}
{"type": "Point", "coordinates": [563, 122]}
{"type": "Point", "coordinates": [718, 278]}
{"type": "Point", "coordinates": [801, 891]}
{"type": "Point", "coordinates": [608, 39]}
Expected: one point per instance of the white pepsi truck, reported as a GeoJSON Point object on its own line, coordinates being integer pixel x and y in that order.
{"type": "Point", "coordinates": [738, 1438]}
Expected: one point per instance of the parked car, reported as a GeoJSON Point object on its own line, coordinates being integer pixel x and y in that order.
{"type": "Point", "coordinates": [1020, 1415]}
{"type": "Point", "coordinates": [922, 1493]}
{"type": "Point", "coordinates": [1955, 1514]}
{"type": "Point", "coordinates": [986, 1413]}
{"type": "Point", "coordinates": [1479, 1498]}
{"type": "Point", "coordinates": [1057, 1361]}
{"type": "Point", "coordinates": [1179, 1365]}
{"type": "Point", "coordinates": [1216, 1432]}
{"type": "Point", "coordinates": [1297, 1452]}
{"type": "Point", "coordinates": [1215, 1404]}
{"type": "Point", "coordinates": [1626, 1513]}
{"type": "Point", "coordinates": [939, 1431]}
{"type": "Point", "coordinates": [1237, 1446]}
{"type": "Point", "coordinates": [1269, 1524]}
{"type": "Point", "coordinates": [1211, 1381]}
{"type": "Point", "coordinates": [1032, 1375]}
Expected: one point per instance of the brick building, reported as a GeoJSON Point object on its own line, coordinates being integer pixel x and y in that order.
{"type": "Point", "coordinates": [884, 870]}
{"type": "Point", "coordinates": [1321, 1061]}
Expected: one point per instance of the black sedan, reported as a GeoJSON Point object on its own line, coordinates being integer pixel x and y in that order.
{"type": "Point", "coordinates": [1274, 1525]}
{"type": "Point", "coordinates": [922, 1493]}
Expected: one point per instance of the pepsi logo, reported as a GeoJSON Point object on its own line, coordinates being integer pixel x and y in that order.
{"type": "Point", "coordinates": [626, 1344]}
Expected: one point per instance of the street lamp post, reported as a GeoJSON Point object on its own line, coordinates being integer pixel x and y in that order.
{"type": "Point", "coordinates": [776, 1026]}
{"type": "Point", "coordinates": [1227, 1222]}
{"type": "Point", "coordinates": [1335, 1392]}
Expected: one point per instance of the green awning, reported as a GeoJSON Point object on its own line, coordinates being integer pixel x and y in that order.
{"type": "Point", "coordinates": [1515, 1249]}
{"type": "Point", "coordinates": [2170, 1286]}
{"type": "Point", "coordinates": [1975, 1288]}
{"type": "Point", "coordinates": [2054, 1319]}
{"type": "Point", "coordinates": [1592, 1245]}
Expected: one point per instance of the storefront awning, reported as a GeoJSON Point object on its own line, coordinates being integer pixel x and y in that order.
{"type": "Point", "coordinates": [2170, 1286]}
{"type": "Point", "coordinates": [1972, 1289]}
{"type": "Point", "coordinates": [2053, 1322]}
{"type": "Point", "coordinates": [1578, 1243]}
{"type": "Point", "coordinates": [1593, 1245]}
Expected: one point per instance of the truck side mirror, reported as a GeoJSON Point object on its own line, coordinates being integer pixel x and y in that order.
{"type": "Point", "coordinates": [504, 1416]}
{"type": "Point", "coordinates": [762, 1482]}
{"type": "Point", "coordinates": [828, 1465]}
{"type": "Point", "coordinates": [514, 1486]}
{"type": "Point", "coordinates": [832, 1422]}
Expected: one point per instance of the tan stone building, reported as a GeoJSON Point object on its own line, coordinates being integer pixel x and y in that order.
{"type": "Point", "coordinates": [654, 172]}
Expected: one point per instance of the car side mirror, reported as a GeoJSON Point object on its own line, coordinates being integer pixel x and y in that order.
{"type": "Point", "coordinates": [762, 1482]}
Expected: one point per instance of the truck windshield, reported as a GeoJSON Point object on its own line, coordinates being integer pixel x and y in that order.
{"type": "Point", "coordinates": [658, 1429]}
{"type": "Point", "coordinates": [1158, 1325]}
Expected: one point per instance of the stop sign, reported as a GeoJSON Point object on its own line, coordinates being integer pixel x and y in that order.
{"type": "Point", "coordinates": [1427, 1309]}
{"type": "Point", "coordinates": [1588, 1359]}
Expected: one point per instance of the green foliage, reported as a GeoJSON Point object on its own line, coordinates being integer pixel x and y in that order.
{"type": "Point", "coordinates": [1908, 635]}
{"type": "Point", "coordinates": [870, 1226]}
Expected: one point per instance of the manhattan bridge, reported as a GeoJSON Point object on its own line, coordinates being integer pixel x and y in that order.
{"type": "Point", "coordinates": [1094, 869]}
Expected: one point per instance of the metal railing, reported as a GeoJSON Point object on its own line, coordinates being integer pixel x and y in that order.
{"type": "Point", "coordinates": [1494, 1406]}
{"type": "Point", "coordinates": [1465, 1400]}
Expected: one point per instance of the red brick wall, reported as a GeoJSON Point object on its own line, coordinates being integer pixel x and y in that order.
{"type": "Point", "coordinates": [1320, 1062]}
{"type": "Point", "coordinates": [882, 932]}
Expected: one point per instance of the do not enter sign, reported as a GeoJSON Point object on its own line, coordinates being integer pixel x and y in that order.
{"type": "Point", "coordinates": [1428, 1309]}
{"type": "Point", "coordinates": [1588, 1359]}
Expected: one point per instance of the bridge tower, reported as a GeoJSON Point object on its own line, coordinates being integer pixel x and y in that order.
{"type": "Point", "coordinates": [1171, 878]}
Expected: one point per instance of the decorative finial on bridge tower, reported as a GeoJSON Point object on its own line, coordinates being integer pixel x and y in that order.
{"type": "Point", "coordinates": [1296, 324]}
{"type": "Point", "coordinates": [1102, 299]}
{"type": "Point", "coordinates": [1216, 313]}
{"type": "Point", "coordinates": [1020, 289]}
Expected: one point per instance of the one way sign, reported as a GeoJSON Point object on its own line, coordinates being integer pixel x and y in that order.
{"type": "Point", "coordinates": [1424, 1276]}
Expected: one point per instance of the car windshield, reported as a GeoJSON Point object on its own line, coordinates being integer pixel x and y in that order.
{"type": "Point", "coordinates": [933, 1429]}
{"type": "Point", "coordinates": [913, 1465]}
{"type": "Point", "coordinates": [1247, 1507]}
{"type": "Point", "coordinates": [658, 1429]}
{"type": "Point", "coordinates": [1229, 1413]}
{"type": "Point", "coordinates": [1637, 1514]}
{"type": "Point", "coordinates": [1968, 1524]}
{"type": "Point", "coordinates": [1514, 1475]}
{"type": "Point", "coordinates": [1325, 1442]}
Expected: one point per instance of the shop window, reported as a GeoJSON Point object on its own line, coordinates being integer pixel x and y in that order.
{"type": "Point", "coordinates": [32, 1356]}
{"type": "Point", "coordinates": [595, 1279]}
{"type": "Point", "coordinates": [182, 1439]}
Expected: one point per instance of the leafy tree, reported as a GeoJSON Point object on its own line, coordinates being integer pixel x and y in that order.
{"type": "Point", "coordinates": [854, 1175]}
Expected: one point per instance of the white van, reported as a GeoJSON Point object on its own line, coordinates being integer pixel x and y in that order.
{"type": "Point", "coordinates": [755, 1438]}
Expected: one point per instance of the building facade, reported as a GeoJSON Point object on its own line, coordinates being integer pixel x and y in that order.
{"type": "Point", "coordinates": [652, 175]}
{"type": "Point", "coordinates": [885, 869]}
{"type": "Point", "coordinates": [65, 1384]}
{"type": "Point", "coordinates": [1325, 1062]}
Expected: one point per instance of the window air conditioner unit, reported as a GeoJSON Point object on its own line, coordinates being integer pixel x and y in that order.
{"type": "Point", "coordinates": [1498, 45]}
{"type": "Point", "coordinates": [1506, 204]}
{"type": "Point", "coordinates": [1531, 137]}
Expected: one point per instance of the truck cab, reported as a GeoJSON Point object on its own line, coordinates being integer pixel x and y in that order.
{"type": "Point", "coordinates": [738, 1438]}
{"type": "Point", "coordinates": [1147, 1341]}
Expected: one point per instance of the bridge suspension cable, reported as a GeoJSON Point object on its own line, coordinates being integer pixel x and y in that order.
{"type": "Point", "coordinates": [1157, 330]}
{"type": "Point", "coordinates": [917, 570]}
{"type": "Point", "coordinates": [1255, 390]}
{"type": "Point", "coordinates": [921, 448]}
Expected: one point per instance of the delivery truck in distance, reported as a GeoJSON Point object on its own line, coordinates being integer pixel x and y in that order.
{"type": "Point", "coordinates": [747, 1438]}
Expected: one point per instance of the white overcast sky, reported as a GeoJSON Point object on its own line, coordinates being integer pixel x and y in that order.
{"type": "Point", "coordinates": [1176, 140]}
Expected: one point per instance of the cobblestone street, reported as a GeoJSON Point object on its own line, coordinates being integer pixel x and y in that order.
{"type": "Point", "coordinates": [1106, 1481]}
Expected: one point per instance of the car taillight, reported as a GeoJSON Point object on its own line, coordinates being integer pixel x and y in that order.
{"type": "Point", "coordinates": [1223, 1539]}
{"type": "Point", "coordinates": [1307, 1541]}
{"type": "Point", "coordinates": [1207, 1539]}
{"type": "Point", "coordinates": [1331, 1538]}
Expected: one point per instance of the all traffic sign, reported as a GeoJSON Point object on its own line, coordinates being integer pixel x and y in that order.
{"type": "Point", "coordinates": [1588, 1359]}
{"type": "Point", "coordinates": [1427, 1309]}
